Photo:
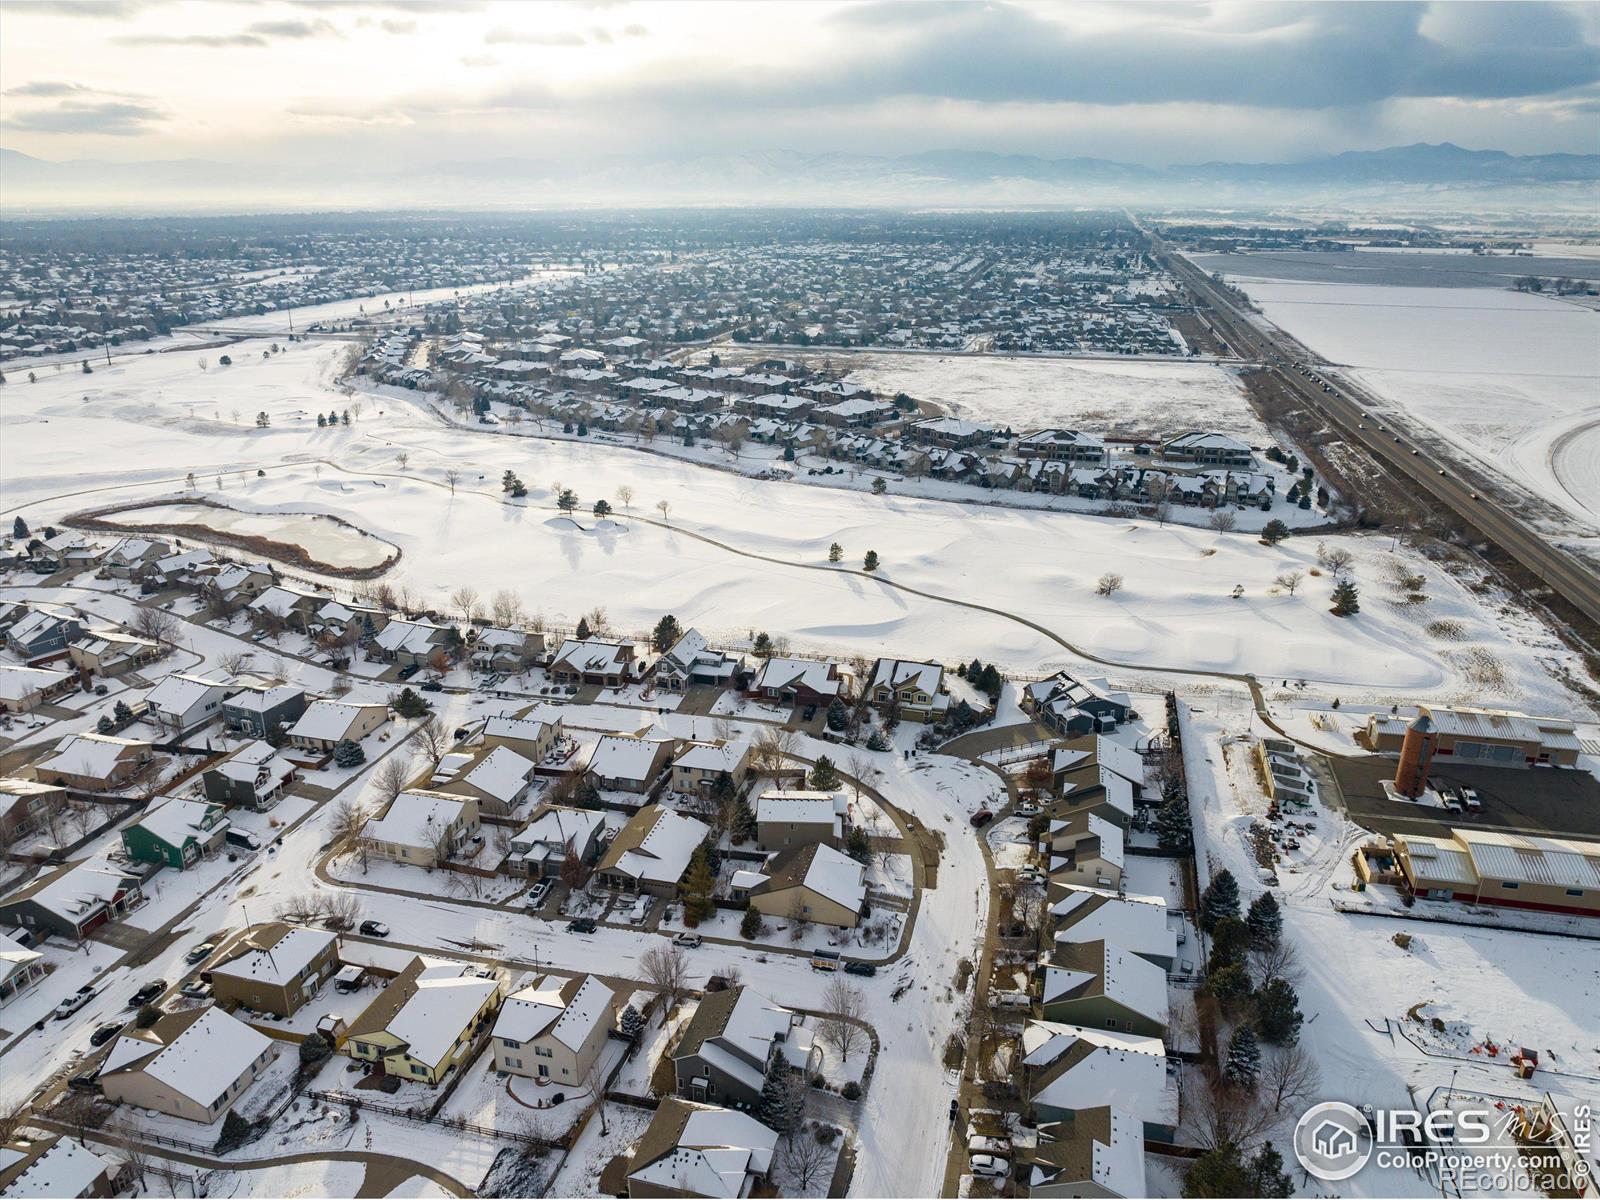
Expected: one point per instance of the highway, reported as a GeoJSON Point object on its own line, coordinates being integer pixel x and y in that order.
{"type": "Point", "coordinates": [1575, 582]}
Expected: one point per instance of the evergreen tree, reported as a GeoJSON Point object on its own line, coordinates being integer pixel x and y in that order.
{"type": "Point", "coordinates": [1217, 1174]}
{"type": "Point", "coordinates": [824, 775]}
{"type": "Point", "coordinates": [879, 487]}
{"type": "Point", "coordinates": [1274, 532]}
{"type": "Point", "coordinates": [602, 509]}
{"type": "Point", "coordinates": [1220, 899]}
{"type": "Point", "coordinates": [322, 421]}
{"type": "Point", "coordinates": [1266, 1174]}
{"type": "Point", "coordinates": [345, 417]}
{"type": "Point", "coordinates": [567, 501]}
{"type": "Point", "coordinates": [1229, 985]}
{"type": "Point", "coordinates": [631, 1023]}
{"type": "Point", "coordinates": [19, 528]}
{"type": "Point", "coordinates": [410, 705]}
{"type": "Point", "coordinates": [349, 754]}
{"type": "Point", "coordinates": [838, 715]}
{"type": "Point", "coordinates": [762, 645]}
{"type": "Point", "coordinates": [775, 1108]}
{"type": "Point", "coordinates": [989, 681]}
{"type": "Point", "coordinates": [1244, 1058]}
{"type": "Point", "coordinates": [1172, 823]}
{"type": "Point", "coordinates": [1278, 1016]}
{"type": "Point", "coordinates": [666, 635]}
{"type": "Point", "coordinates": [583, 631]}
{"type": "Point", "coordinates": [508, 480]}
{"type": "Point", "coordinates": [121, 712]}
{"type": "Point", "coordinates": [750, 924]}
{"type": "Point", "coordinates": [835, 551]}
{"type": "Point", "coordinates": [870, 562]}
{"type": "Point", "coordinates": [104, 724]}
{"type": "Point", "coordinates": [857, 844]}
{"type": "Point", "coordinates": [368, 629]}
{"type": "Point", "coordinates": [333, 419]}
{"type": "Point", "coordinates": [744, 822]}
{"type": "Point", "coordinates": [583, 429]}
{"type": "Point", "coordinates": [1230, 940]}
{"type": "Point", "coordinates": [697, 885]}
{"type": "Point", "coordinates": [1265, 920]}
{"type": "Point", "coordinates": [1346, 600]}
{"type": "Point", "coordinates": [877, 741]}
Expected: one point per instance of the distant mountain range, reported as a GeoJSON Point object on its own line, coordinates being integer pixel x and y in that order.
{"type": "Point", "coordinates": [784, 177]}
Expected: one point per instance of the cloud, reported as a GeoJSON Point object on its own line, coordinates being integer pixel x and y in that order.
{"type": "Point", "coordinates": [479, 60]}
{"type": "Point", "coordinates": [45, 87]}
{"type": "Point", "coordinates": [397, 27]}
{"type": "Point", "coordinates": [113, 118]}
{"type": "Point", "coordinates": [118, 10]}
{"type": "Point", "coordinates": [292, 30]}
{"type": "Point", "coordinates": [501, 36]}
{"type": "Point", "coordinates": [410, 6]}
{"type": "Point", "coordinates": [634, 30]}
{"type": "Point", "coordinates": [254, 36]}
{"type": "Point", "coordinates": [601, 35]}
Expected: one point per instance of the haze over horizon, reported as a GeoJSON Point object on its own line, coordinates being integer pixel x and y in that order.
{"type": "Point", "coordinates": [347, 88]}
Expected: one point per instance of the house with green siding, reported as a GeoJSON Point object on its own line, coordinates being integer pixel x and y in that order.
{"type": "Point", "coordinates": [177, 834]}
{"type": "Point", "coordinates": [1103, 986]}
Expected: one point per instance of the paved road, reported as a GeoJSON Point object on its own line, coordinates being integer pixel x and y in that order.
{"type": "Point", "coordinates": [1345, 407]}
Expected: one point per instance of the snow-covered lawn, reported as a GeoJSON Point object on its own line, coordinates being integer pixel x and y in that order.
{"type": "Point", "coordinates": [333, 1177]}
{"type": "Point", "coordinates": [580, 1173]}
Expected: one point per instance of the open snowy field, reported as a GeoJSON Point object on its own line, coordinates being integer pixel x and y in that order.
{"type": "Point", "coordinates": [738, 554]}
{"type": "Point", "coordinates": [1136, 398]}
{"type": "Point", "coordinates": [1511, 379]}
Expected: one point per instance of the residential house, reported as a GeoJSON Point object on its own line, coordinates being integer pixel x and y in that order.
{"type": "Point", "coordinates": [1097, 750]}
{"type": "Point", "coordinates": [913, 689]}
{"type": "Point", "coordinates": [1071, 706]}
{"type": "Point", "coordinates": [72, 900]}
{"type": "Point", "coordinates": [23, 689]}
{"type": "Point", "coordinates": [695, 772]}
{"type": "Point", "coordinates": [284, 606]}
{"type": "Point", "coordinates": [177, 833]}
{"type": "Point", "coordinates": [507, 651]}
{"type": "Point", "coordinates": [94, 762]}
{"type": "Point", "coordinates": [591, 661]}
{"type": "Point", "coordinates": [620, 763]}
{"type": "Point", "coordinates": [57, 1167]}
{"type": "Point", "coordinates": [194, 1064]}
{"type": "Point", "coordinates": [1062, 445]}
{"type": "Point", "coordinates": [731, 1042]}
{"type": "Point", "coordinates": [807, 883]}
{"type": "Point", "coordinates": [259, 710]}
{"type": "Point", "coordinates": [255, 776]}
{"type": "Point", "coordinates": [798, 681]}
{"type": "Point", "coordinates": [182, 702]}
{"type": "Point", "coordinates": [498, 781]}
{"type": "Point", "coordinates": [1137, 923]}
{"type": "Point", "coordinates": [1068, 1067]}
{"type": "Point", "coordinates": [1087, 850]}
{"type": "Point", "coordinates": [652, 852]}
{"type": "Point", "coordinates": [27, 806]}
{"type": "Point", "coordinates": [239, 583]}
{"type": "Point", "coordinates": [425, 1023]}
{"type": "Point", "coordinates": [1103, 986]}
{"type": "Point", "coordinates": [326, 723]}
{"type": "Point", "coordinates": [554, 1029]}
{"type": "Point", "coordinates": [787, 819]}
{"type": "Point", "coordinates": [66, 549]}
{"type": "Point", "coordinates": [951, 433]}
{"type": "Point", "coordinates": [422, 828]}
{"type": "Point", "coordinates": [275, 968]}
{"type": "Point", "coordinates": [410, 643]}
{"type": "Point", "coordinates": [1209, 449]}
{"type": "Point", "coordinates": [533, 739]}
{"type": "Point", "coordinates": [542, 846]}
{"type": "Point", "coordinates": [690, 661]}
{"type": "Point", "coordinates": [701, 1150]}
{"type": "Point", "coordinates": [1089, 788]}
{"type": "Point", "coordinates": [110, 653]}
{"type": "Point", "coordinates": [20, 969]}
{"type": "Point", "coordinates": [1090, 1152]}
{"type": "Point", "coordinates": [134, 557]}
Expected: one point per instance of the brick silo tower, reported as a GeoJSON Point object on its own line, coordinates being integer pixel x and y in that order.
{"type": "Point", "coordinates": [1416, 756]}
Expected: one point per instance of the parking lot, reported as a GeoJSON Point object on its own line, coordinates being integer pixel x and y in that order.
{"type": "Point", "coordinates": [1553, 802]}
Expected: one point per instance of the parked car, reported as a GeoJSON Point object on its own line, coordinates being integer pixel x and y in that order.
{"type": "Point", "coordinates": [147, 993]}
{"type": "Point", "coordinates": [997, 1146]}
{"type": "Point", "coordinates": [201, 952]}
{"type": "Point", "coordinates": [860, 968]}
{"type": "Point", "coordinates": [582, 925]}
{"type": "Point", "coordinates": [640, 910]}
{"type": "Point", "coordinates": [105, 1033]}
{"type": "Point", "coordinates": [689, 941]}
{"type": "Point", "coordinates": [242, 838]}
{"type": "Point", "coordinates": [432, 685]}
{"type": "Point", "coordinates": [981, 818]}
{"type": "Point", "coordinates": [809, 713]}
{"type": "Point", "coordinates": [84, 1083]}
{"type": "Point", "coordinates": [987, 1166]}
{"type": "Point", "coordinates": [537, 894]}
{"type": "Point", "coordinates": [825, 960]}
{"type": "Point", "coordinates": [73, 1003]}
{"type": "Point", "coordinates": [199, 989]}
{"type": "Point", "coordinates": [374, 929]}
{"type": "Point", "coordinates": [407, 671]}
{"type": "Point", "coordinates": [1027, 808]}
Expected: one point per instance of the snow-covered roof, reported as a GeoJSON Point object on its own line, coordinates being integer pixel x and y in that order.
{"type": "Point", "coordinates": [264, 699]}
{"type": "Point", "coordinates": [618, 757]}
{"type": "Point", "coordinates": [714, 1153]}
{"type": "Point", "coordinates": [663, 853]}
{"type": "Point", "coordinates": [800, 808]}
{"type": "Point", "coordinates": [1137, 923]}
{"type": "Point", "coordinates": [94, 755]}
{"type": "Point", "coordinates": [436, 1013]}
{"type": "Point", "coordinates": [19, 683]}
{"type": "Point", "coordinates": [1520, 858]}
{"type": "Point", "coordinates": [557, 826]}
{"type": "Point", "coordinates": [276, 955]}
{"type": "Point", "coordinates": [177, 821]}
{"type": "Point", "coordinates": [520, 729]}
{"type": "Point", "coordinates": [328, 720]}
{"type": "Point", "coordinates": [1083, 826]}
{"type": "Point", "coordinates": [414, 637]}
{"type": "Point", "coordinates": [1086, 969]}
{"type": "Point", "coordinates": [201, 1062]}
{"type": "Point", "coordinates": [66, 1168]}
{"type": "Point", "coordinates": [798, 672]}
{"type": "Point", "coordinates": [898, 673]}
{"type": "Point", "coordinates": [502, 774]}
{"type": "Point", "coordinates": [257, 764]}
{"type": "Point", "coordinates": [1098, 1067]}
{"type": "Point", "coordinates": [592, 657]}
{"type": "Point", "coordinates": [707, 756]}
{"type": "Point", "coordinates": [416, 818]}
{"type": "Point", "coordinates": [76, 890]}
{"type": "Point", "coordinates": [837, 876]}
{"type": "Point", "coordinates": [552, 1006]}
{"type": "Point", "coordinates": [182, 693]}
{"type": "Point", "coordinates": [1098, 748]}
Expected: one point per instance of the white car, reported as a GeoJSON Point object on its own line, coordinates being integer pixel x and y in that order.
{"type": "Point", "coordinates": [640, 910]}
{"type": "Point", "coordinates": [73, 1003]}
{"type": "Point", "coordinates": [689, 941]}
{"type": "Point", "coordinates": [537, 893]}
{"type": "Point", "coordinates": [987, 1166]}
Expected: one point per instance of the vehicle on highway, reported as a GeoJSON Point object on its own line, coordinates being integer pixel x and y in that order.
{"type": "Point", "coordinates": [147, 993]}
{"type": "Point", "coordinates": [1441, 471]}
{"type": "Point", "coordinates": [374, 929]}
{"type": "Point", "coordinates": [1475, 495]}
{"type": "Point", "coordinates": [200, 952]}
{"type": "Point", "coordinates": [860, 968]}
{"type": "Point", "coordinates": [689, 941]}
{"type": "Point", "coordinates": [73, 1003]}
{"type": "Point", "coordinates": [104, 1033]}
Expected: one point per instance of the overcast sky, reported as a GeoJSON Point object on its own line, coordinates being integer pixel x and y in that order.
{"type": "Point", "coordinates": [355, 82]}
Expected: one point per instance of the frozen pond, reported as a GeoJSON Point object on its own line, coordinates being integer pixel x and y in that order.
{"type": "Point", "coordinates": [322, 538]}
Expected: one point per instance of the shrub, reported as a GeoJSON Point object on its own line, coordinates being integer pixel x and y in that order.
{"type": "Point", "coordinates": [851, 1090]}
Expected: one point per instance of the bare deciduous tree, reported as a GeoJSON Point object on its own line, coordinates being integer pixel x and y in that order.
{"type": "Point", "coordinates": [805, 1159]}
{"type": "Point", "coordinates": [1289, 1075]}
{"type": "Point", "coordinates": [157, 624]}
{"type": "Point", "coordinates": [506, 607]}
{"type": "Point", "coordinates": [432, 741]}
{"type": "Point", "coordinates": [234, 662]}
{"type": "Point", "coordinates": [665, 509]}
{"type": "Point", "coordinates": [773, 750]}
{"type": "Point", "coordinates": [843, 1007]}
{"type": "Point", "coordinates": [452, 477]}
{"type": "Point", "coordinates": [344, 823]}
{"type": "Point", "coordinates": [1290, 580]}
{"type": "Point", "coordinates": [391, 778]}
{"type": "Point", "coordinates": [1223, 521]}
{"type": "Point", "coordinates": [465, 600]}
{"type": "Point", "coordinates": [666, 968]}
{"type": "Point", "coordinates": [1109, 584]}
{"type": "Point", "coordinates": [1218, 1114]}
{"type": "Point", "coordinates": [625, 496]}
